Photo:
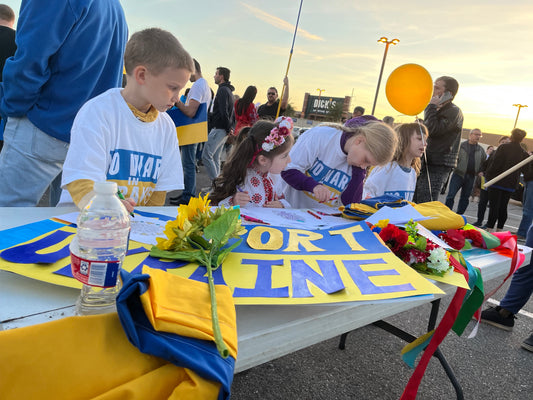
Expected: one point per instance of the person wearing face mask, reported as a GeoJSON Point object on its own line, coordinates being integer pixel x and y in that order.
{"type": "Point", "coordinates": [444, 121]}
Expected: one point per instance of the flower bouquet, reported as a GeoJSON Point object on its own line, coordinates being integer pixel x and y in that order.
{"type": "Point", "coordinates": [414, 249]}
{"type": "Point", "coordinates": [201, 235]}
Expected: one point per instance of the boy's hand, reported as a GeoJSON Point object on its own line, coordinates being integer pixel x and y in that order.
{"type": "Point", "coordinates": [241, 199]}
{"type": "Point", "coordinates": [322, 193]}
{"type": "Point", "coordinates": [129, 203]}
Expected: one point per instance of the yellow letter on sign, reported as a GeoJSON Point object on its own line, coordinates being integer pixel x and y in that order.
{"type": "Point", "coordinates": [347, 235]}
{"type": "Point", "coordinates": [275, 238]}
{"type": "Point", "coordinates": [300, 236]}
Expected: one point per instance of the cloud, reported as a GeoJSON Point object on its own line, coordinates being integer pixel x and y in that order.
{"type": "Point", "coordinates": [279, 23]}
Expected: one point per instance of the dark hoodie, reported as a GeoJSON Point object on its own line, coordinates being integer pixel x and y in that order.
{"type": "Point", "coordinates": [223, 116]}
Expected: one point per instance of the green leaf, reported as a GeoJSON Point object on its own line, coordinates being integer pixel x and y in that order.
{"type": "Point", "coordinates": [185, 255]}
{"type": "Point", "coordinates": [421, 243]}
{"type": "Point", "coordinates": [224, 253]}
{"type": "Point", "coordinates": [199, 241]}
{"type": "Point", "coordinates": [221, 230]}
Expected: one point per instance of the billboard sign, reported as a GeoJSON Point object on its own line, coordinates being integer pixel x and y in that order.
{"type": "Point", "coordinates": [321, 105]}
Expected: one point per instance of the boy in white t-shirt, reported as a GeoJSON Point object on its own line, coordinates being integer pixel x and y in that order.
{"type": "Point", "coordinates": [125, 135]}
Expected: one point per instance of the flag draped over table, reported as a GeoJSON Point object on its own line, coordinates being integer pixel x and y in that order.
{"type": "Point", "coordinates": [90, 357]}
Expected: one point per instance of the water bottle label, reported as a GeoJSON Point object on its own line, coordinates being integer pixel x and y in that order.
{"type": "Point", "coordinates": [95, 273]}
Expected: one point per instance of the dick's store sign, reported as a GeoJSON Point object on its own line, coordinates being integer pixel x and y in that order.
{"type": "Point", "coordinates": [322, 105]}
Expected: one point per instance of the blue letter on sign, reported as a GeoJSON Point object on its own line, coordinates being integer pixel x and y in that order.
{"type": "Point", "coordinates": [365, 285]}
{"type": "Point", "coordinates": [329, 282]}
{"type": "Point", "coordinates": [263, 284]}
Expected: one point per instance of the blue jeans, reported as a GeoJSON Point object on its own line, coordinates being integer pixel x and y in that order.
{"type": "Point", "coordinates": [29, 162]}
{"type": "Point", "coordinates": [466, 184]}
{"type": "Point", "coordinates": [212, 150]}
{"type": "Point", "coordinates": [527, 209]}
{"type": "Point", "coordinates": [188, 160]}
{"type": "Point", "coordinates": [521, 286]}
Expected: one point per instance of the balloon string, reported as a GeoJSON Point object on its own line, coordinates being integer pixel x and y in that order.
{"type": "Point", "coordinates": [425, 157]}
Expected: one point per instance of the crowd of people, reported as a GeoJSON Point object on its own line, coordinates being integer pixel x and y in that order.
{"type": "Point", "coordinates": [70, 123]}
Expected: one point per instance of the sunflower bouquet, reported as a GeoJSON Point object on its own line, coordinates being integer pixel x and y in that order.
{"type": "Point", "coordinates": [414, 249]}
{"type": "Point", "coordinates": [199, 234]}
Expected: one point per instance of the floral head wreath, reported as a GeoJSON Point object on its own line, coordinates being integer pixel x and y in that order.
{"type": "Point", "coordinates": [278, 133]}
{"type": "Point", "coordinates": [276, 137]}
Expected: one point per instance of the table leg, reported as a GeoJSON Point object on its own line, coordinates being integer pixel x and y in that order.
{"type": "Point", "coordinates": [400, 333]}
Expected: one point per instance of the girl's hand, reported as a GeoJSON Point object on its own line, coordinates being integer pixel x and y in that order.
{"type": "Point", "coordinates": [129, 203]}
{"type": "Point", "coordinates": [274, 204]}
{"type": "Point", "coordinates": [322, 193]}
{"type": "Point", "coordinates": [241, 199]}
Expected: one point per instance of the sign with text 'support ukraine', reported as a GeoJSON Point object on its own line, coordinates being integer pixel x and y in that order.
{"type": "Point", "coordinates": [272, 265]}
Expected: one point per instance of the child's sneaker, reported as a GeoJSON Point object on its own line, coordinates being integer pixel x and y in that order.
{"type": "Point", "coordinates": [498, 317]}
{"type": "Point", "coordinates": [528, 343]}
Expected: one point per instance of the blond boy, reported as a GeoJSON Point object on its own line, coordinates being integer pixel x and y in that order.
{"type": "Point", "coordinates": [125, 135]}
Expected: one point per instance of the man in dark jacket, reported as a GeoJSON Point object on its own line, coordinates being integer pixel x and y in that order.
{"type": "Point", "coordinates": [471, 155]}
{"type": "Point", "coordinates": [506, 157]}
{"type": "Point", "coordinates": [221, 121]}
{"type": "Point", "coordinates": [444, 121]}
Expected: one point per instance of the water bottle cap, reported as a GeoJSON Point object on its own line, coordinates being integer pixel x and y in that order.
{"type": "Point", "coordinates": [105, 187]}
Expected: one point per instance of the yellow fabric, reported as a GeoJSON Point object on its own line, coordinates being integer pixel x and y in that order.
{"type": "Point", "coordinates": [89, 358]}
{"type": "Point", "coordinates": [78, 189]}
{"type": "Point", "coordinates": [442, 217]}
{"type": "Point", "coordinates": [149, 116]}
{"type": "Point", "coordinates": [157, 199]}
{"type": "Point", "coordinates": [169, 295]}
{"type": "Point", "coordinates": [192, 133]}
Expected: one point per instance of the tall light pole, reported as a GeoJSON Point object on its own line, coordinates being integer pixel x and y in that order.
{"type": "Point", "coordinates": [320, 92]}
{"type": "Point", "coordinates": [387, 44]}
{"type": "Point", "coordinates": [518, 112]}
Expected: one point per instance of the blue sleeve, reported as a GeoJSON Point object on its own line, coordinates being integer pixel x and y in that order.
{"type": "Point", "coordinates": [43, 26]}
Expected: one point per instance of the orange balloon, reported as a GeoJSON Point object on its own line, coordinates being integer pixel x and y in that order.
{"type": "Point", "coordinates": [409, 89]}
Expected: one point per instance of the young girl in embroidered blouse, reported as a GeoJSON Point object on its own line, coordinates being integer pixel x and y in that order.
{"type": "Point", "coordinates": [399, 177]}
{"type": "Point", "coordinates": [247, 177]}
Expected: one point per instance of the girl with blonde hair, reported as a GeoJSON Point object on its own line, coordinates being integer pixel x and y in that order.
{"type": "Point", "coordinates": [399, 177]}
{"type": "Point", "coordinates": [328, 163]}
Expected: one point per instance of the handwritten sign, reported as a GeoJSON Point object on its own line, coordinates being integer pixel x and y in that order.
{"type": "Point", "coordinates": [272, 265]}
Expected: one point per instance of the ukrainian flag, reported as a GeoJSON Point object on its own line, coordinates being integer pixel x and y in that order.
{"type": "Point", "coordinates": [190, 130]}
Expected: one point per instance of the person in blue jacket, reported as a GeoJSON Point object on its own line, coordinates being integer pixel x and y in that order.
{"type": "Point", "coordinates": [68, 51]}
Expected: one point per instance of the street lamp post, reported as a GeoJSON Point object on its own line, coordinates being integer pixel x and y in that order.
{"type": "Point", "coordinates": [387, 44]}
{"type": "Point", "coordinates": [320, 92]}
{"type": "Point", "coordinates": [518, 112]}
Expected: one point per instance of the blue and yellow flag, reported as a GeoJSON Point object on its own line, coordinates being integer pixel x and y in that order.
{"type": "Point", "coordinates": [190, 130]}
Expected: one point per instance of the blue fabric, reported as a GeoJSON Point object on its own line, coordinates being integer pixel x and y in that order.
{"type": "Point", "coordinates": [388, 200]}
{"type": "Point", "coordinates": [465, 183]}
{"type": "Point", "coordinates": [527, 209]}
{"type": "Point", "coordinates": [200, 356]}
{"type": "Point", "coordinates": [68, 51]}
{"type": "Point", "coordinates": [181, 119]}
{"type": "Point", "coordinates": [521, 285]}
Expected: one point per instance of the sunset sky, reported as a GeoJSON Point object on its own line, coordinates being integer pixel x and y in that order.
{"type": "Point", "coordinates": [485, 45]}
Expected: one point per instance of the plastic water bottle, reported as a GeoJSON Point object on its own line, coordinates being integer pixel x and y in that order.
{"type": "Point", "coordinates": [98, 250]}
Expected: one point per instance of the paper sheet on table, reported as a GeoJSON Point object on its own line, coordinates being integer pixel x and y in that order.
{"type": "Point", "coordinates": [396, 216]}
{"type": "Point", "coordinates": [143, 229]}
{"type": "Point", "coordinates": [434, 238]}
{"type": "Point", "coordinates": [294, 218]}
